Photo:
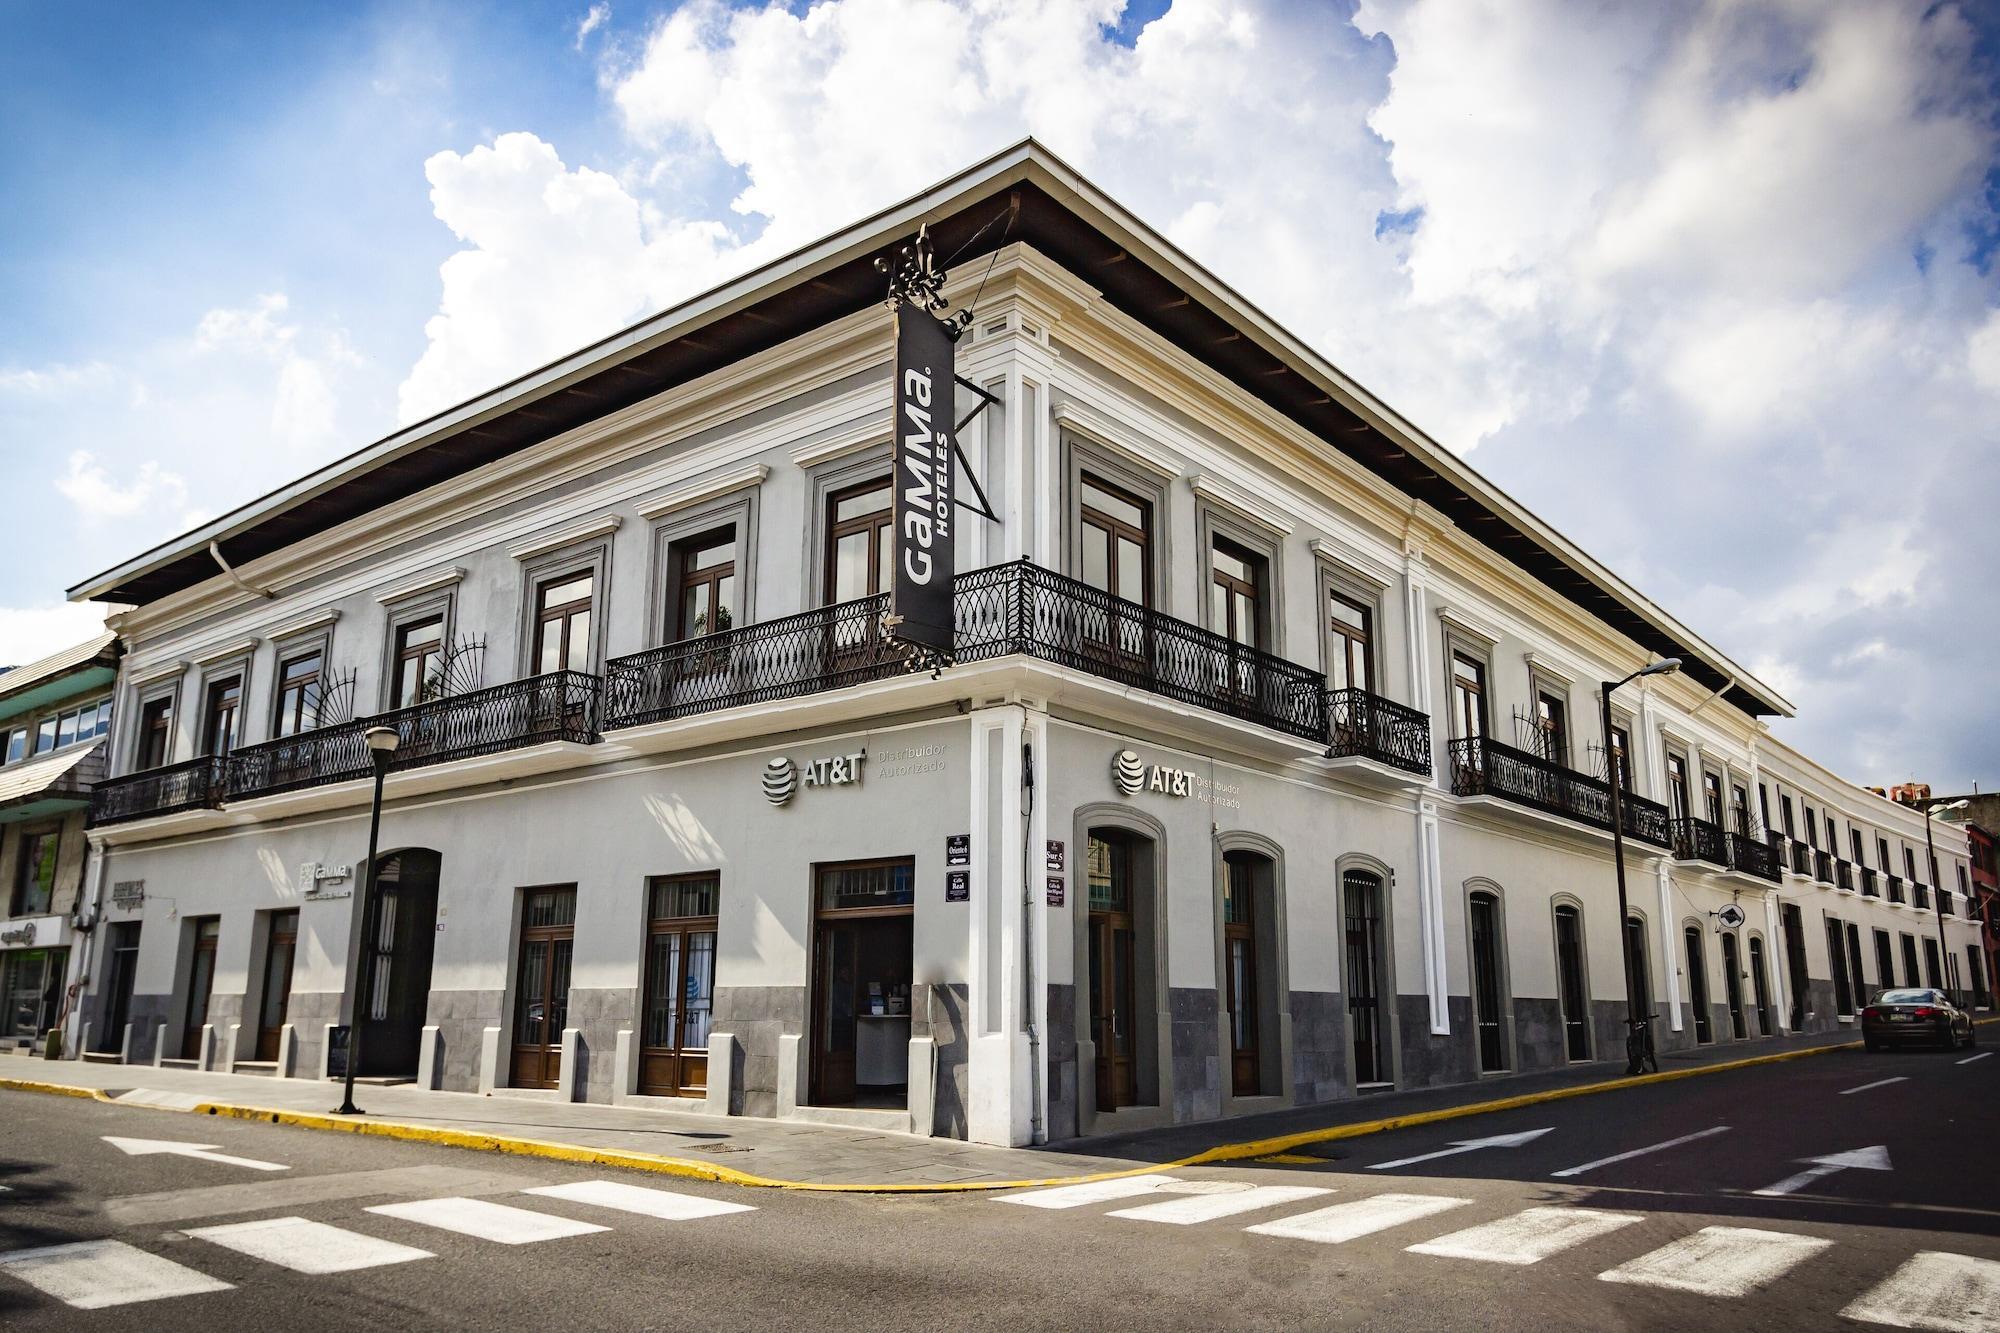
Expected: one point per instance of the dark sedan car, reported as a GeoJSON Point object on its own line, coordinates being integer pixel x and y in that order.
{"type": "Point", "coordinates": [1901, 1016]}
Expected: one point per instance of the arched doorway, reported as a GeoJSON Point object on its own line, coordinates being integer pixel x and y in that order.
{"type": "Point", "coordinates": [1367, 977]}
{"type": "Point", "coordinates": [1253, 982]}
{"type": "Point", "coordinates": [1572, 982]}
{"type": "Point", "coordinates": [1121, 1002]}
{"type": "Point", "coordinates": [395, 977]}
{"type": "Point", "coordinates": [1697, 971]}
{"type": "Point", "coordinates": [1489, 978]}
{"type": "Point", "coordinates": [1760, 986]}
{"type": "Point", "coordinates": [1732, 984]}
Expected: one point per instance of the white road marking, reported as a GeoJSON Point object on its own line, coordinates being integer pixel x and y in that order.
{"type": "Point", "coordinates": [1465, 1145]}
{"type": "Point", "coordinates": [1720, 1261]}
{"type": "Point", "coordinates": [1362, 1217]}
{"type": "Point", "coordinates": [1641, 1152]}
{"type": "Point", "coordinates": [1878, 1083]}
{"type": "Point", "coordinates": [663, 1204]}
{"type": "Point", "coordinates": [1949, 1293]}
{"type": "Point", "coordinates": [1970, 1058]}
{"type": "Point", "coordinates": [1095, 1191]}
{"type": "Point", "coordinates": [1208, 1207]}
{"type": "Point", "coordinates": [1528, 1237]}
{"type": "Point", "coordinates": [308, 1247]}
{"type": "Point", "coordinates": [1863, 1159]}
{"type": "Point", "coordinates": [204, 1152]}
{"type": "Point", "coordinates": [487, 1221]}
{"type": "Point", "coordinates": [93, 1274]}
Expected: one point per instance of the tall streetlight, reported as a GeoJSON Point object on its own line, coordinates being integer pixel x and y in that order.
{"type": "Point", "coordinates": [1937, 890]}
{"type": "Point", "coordinates": [381, 748]}
{"type": "Point", "coordinates": [1637, 1050]}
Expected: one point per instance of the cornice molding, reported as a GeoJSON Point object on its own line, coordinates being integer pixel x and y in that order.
{"type": "Point", "coordinates": [1228, 497]}
{"type": "Point", "coordinates": [315, 620]}
{"type": "Point", "coordinates": [437, 578]}
{"type": "Point", "coordinates": [661, 505]}
{"type": "Point", "coordinates": [876, 428]}
{"type": "Point", "coordinates": [1106, 430]}
{"type": "Point", "coordinates": [159, 671]}
{"type": "Point", "coordinates": [554, 540]}
{"type": "Point", "coordinates": [238, 648]}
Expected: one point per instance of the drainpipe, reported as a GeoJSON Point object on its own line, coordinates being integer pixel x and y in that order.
{"type": "Point", "coordinates": [1037, 1132]}
{"type": "Point", "coordinates": [1725, 688]}
{"type": "Point", "coordinates": [215, 551]}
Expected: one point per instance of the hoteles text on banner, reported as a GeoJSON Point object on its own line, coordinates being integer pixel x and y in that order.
{"type": "Point", "coordinates": [920, 597]}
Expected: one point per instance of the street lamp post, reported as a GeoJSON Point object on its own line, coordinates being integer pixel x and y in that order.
{"type": "Point", "coordinates": [1638, 1049]}
{"type": "Point", "coordinates": [1937, 889]}
{"type": "Point", "coordinates": [381, 748]}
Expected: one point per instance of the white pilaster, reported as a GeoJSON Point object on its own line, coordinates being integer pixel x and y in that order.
{"type": "Point", "coordinates": [1007, 935]}
{"type": "Point", "coordinates": [1669, 965]}
{"type": "Point", "coordinates": [1430, 902]}
{"type": "Point", "coordinates": [1773, 968]}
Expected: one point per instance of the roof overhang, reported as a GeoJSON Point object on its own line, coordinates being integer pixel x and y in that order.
{"type": "Point", "coordinates": [1057, 212]}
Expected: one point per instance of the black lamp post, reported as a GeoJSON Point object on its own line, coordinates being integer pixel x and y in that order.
{"type": "Point", "coordinates": [381, 748]}
{"type": "Point", "coordinates": [1636, 1050]}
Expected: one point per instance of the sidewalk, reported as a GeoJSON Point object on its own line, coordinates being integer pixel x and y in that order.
{"type": "Point", "coordinates": [750, 1151]}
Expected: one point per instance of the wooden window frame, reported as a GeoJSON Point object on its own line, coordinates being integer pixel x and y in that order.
{"type": "Point", "coordinates": [879, 524]}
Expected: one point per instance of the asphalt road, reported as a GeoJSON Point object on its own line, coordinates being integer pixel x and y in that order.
{"type": "Point", "coordinates": [1501, 1240]}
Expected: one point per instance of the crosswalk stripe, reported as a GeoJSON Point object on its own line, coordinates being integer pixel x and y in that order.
{"type": "Point", "coordinates": [94, 1274]}
{"type": "Point", "coordinates": [1947, 1293]}
{"type": "Point", "coordinates": [308, 1247]}
{"type": "Point", "coordinates": [1528, 1237]}
{"type": "Point", "coordinates": [1096, 1191]}
{"type": "Point", "coordinates": [1720, 1261]}
{"type": "Point", "coordinates": [487, 1221]}
{"type": "Point", "coordinates": [637, 1199]}
{"type": "Point", "coordinates": [1878, 1083]}
{"type": "Point", "coordinates": [1362, 1217]}
{"type": "Point", "coordinates": [1189, 1209]}
{"type": "Point", "coordinates": [1970, 1058]}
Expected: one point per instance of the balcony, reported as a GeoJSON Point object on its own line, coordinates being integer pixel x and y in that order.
{"type": "Point", "coordinates": [1944, 903]}
{"type": "Point", "coordinates": [1896, 888]}
{"type": "Point", "coordinates": [196, 784]}
{"type": "Point", "coordinates": [1843, 874]}
{"type": "Point", "coordinates": [1920, 894]}
{"type": "Point", "coordinates": [1481, 767]}
{"type": "Point", "coordinates": [560, 706]}
{"type": "Point", "coordinates": [1802, 858]}
{"type": "Point", "coordinates": [1754, 856]}
{"type": "Point", "coordinates": [1868, 885]}
{"type": "Point", "coordinates": [1015, 609]}
{"type": "Point", "coordinates": [1700, 840]}
{"type": "Point", "coordinates": [1823, 866]}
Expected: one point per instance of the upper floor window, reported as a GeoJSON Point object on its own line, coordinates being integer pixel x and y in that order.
{"type": "Point", "coordinates": [68, 728]}
{"type": "Point", "coordinates": [17, 744]}
{"type": "Point", "coordinates": [707, 585]}
{"type": "Point", "coordinates": [562, 623]}
{"type": "Point", "coordinates": [1117, 542]}
{"type": "Point", "coordinates": [1909, 864]}
{"type": "Point", "coordinates": [1764, 804]}
{"type": "Point", "coordinates": [1739, 807]}
{"type": "Point", "coordinates": [1882, 853]}
{"type": "Point", "coordinates": [299, 694]}
{"type": "Point", "coordinates": [1468, 697]}
{"type": "Point", "coordinates": [1552, 721]}
{"type": "Point", "coordinates": [1785, 813]}
{"type": "Point", "coordinates": [1964, 886]}
{"type": "Point", "coordinates": [1812, 828]}
{"type": "Point", "coordinates": [1711, 795]}
{"type": "Point", "coordinates": [1351, 662]}
{"type": "Point", "coordinates": [45, 735]}
{"type": "Point", "coordinates": [1235, 593]}
{"type": "Point", "coordinates": [35, 879]}
{"type": "Point", "coordinates": [1832, 835]}
{"type": "Point", "coordinates": [1621, 755]}
{"type": "Point", "coordinates": [419, 657]}
{"type": "Point", "coordinates": [1677, 786]}
{"type": "Point", "coordinates": [1854, 841]}
{"type": "Point", "coordinates": [156, 733]}
{"type": "Point", "coordinates": [859, 548]}
{"type": "Point", "coordinates": [220, 710]}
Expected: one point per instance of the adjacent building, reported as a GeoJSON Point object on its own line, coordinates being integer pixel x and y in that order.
{"type": "Point", "coordinates": [54, 717]}
{"type": "Point", "coordinates": [1267, 770]}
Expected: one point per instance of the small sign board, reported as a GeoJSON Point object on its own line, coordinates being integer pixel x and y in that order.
{"type": "Point", "coordinates": [1731, 916]}
{"type": "Point", "coordinates": [336, 1051]}
{"type": "Point", "coordinates": [958, 886]}
{"type": "Point", "coordinates": [1055, 891]}
{"type": "Point", "coordinates": [128, 893]}
{"type": "Point", "coordinates": [958, 849]}
{"type": "Point", "coordinates": [1055, 856]}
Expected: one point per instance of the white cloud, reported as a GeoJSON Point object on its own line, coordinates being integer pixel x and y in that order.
{"type": "Point", "coordinates": [592, 20]}
{"type": "Point", "coordinates": [52, 380]}
{"type": "Point", "coordinates": [147, 490]}
{"type": "Point", "coordinates": [30, 633]}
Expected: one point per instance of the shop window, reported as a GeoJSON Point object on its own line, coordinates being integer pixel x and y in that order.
{"type": "Point", "coordinates": [34, 875]}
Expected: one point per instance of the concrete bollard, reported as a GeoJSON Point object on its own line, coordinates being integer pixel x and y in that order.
{"type": "Point", "coordinates": [288, 1051]}
{"type": "Point", "coordinates": [570, 1075]}
{"type": "Point", "coordinates": [489, 1059]}
{"type": "Point", "coordinates": [160, 1046]}
{"type": "Point", "coordinates": [624, 1066]}
{"type": "Point", "coordinates": [721, 1073]}
{"type": "Point", "coordinates": [430, 1058]}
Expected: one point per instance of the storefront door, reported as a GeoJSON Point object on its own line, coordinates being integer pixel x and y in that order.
{"type": "Point", "coordinates": [1732, 985]}
{"type": "Point", "coordinates": [1485, 908]}
{"type": "Point", "coordinates": [1574, 991]}
{"type": "Point", "coordinates": [1113, 998]}
{"type": "Point", "coordinates": [1760, 986]}
{"type": "Point", "coordinates": [399, 977]}
{"type": "Point", "coordinates": [201, 984]}
{"type": "Point", "coordinates": [30, 991]}
{"type": "Point", "coordinates": [1363, 892]}
{"type": "Point", "coordinates": [1697, 972]}
{"type": "Point", "coordinates": [541, 986]}
{"type": "Point", "coordinates": [123, 967]}
{"type": "Point", "coordinates": [1239, 951]}
{"type": "Point", "coordinates": [680, 985]}
{"type": "Point", "coordinates": [277, 997]}
{"type": "Point", "coordinates": [862, 948]}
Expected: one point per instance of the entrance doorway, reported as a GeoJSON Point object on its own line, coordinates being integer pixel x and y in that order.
{"type": "Point", "coordinates": [1110, 869]}
{"type": "Point", "coordinates": [541, 986]}
{"type": "Point", "coordinates": [1795, 963]}
{"type": "Point", "coordinates": [1575, 991]}
{"type": "Point", "coordinates": [862, 949]}
{"type": "Point", "coordinates": [680, 985]}
{"type": "Point", "coordinates": [201, 983]}
{"type": "Point", "coordinates": [1242, 977]}
{"type": "Point", "coordinates": [1487, 987]}
{"type": "Point", "coordinates": [1697, 970]}
{"type": "Point", "coordinates": [399, 963]}
{"type": "Point", "coordinates": [121, 968]}
{"type": "Point", "coordinates": [1732, 985]}
{"type": "Point", "coordinates": [279, 948]}
{"type": "Point", "coordinates": [1362, 890]}
{"type": "Point", "coordinates": [31, 982]}
{"type": "Point", "coordinates": [1760, 987]}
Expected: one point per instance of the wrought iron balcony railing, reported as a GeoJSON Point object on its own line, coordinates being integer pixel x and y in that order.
{"type": "Point", "coordinates": [1367, 726]}
{"type": "Point", "coordinates": [560, 706]}
{"type": "Point", "coordinates": [1823, 866]}
{"type": "Point", "coordinates": [1868, 886]}
{"type": "Point", "coordinates": [1895, 888]}
{"type": "Point", "coordinates": [1754, 856]}
{"type": "Point", "coordinates": [1920, 894]}
{"type": "Point", "coordinates": [1843, 874]}
{"type": "Point", "coordinates": [1802, 858]}
{"type": "Point", "coordinates": [1944, 903]}
{"type": "Point", "coordinates": [1700, 840]}
{"type": "Point", "coordinates": [1481, 767]}
{"type": "Point", "coordinates": [1003, 610]}
{"type": "Point", "coordinates": [194, 784]}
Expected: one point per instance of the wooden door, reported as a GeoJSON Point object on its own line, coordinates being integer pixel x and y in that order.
{"type": "Point", "coordinates": [1114, 1008]}
{"type": "Point", "coordinates": [278, 954]}
{"type": "Point", "coordinates": [123, 969]}
{"type": "Point", "coordinates": [201, 985]}
{"type": "Point", "coordinates": [1239, 955]}
{"type": "Point", "coordinates": [680, 985]}
{"type": "Point", "coordinates": [1364, 951]}
{"type": "Point", "coordinates": [1574, 992]}
{"type": "Point", "coordinates": [1486, 987]}
{"type": "Point", "coordinates": [862, 975]}
{"type": "Point", "coordinates": [1732, 985]}
{"type": "Point", "coordinates": [836, 969]}
{"type": "Point", "coordinates": [541, 987]}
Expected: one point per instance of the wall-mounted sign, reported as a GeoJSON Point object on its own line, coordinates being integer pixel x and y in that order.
{"type": "Point", "coordinates": [313, 876]}
{"type": "Point", "coordinates": [1054, 856]}
{"type": "Point", "coordinates": [958, 886]}
{"type": "Point", "coordinates": [920, 609]}
{"type": "Point", "coordinates": [128, 893]}
{"type": "Point", "coordinates": [958, 849]}
{"type": "Point", "coordinates": [1131, 775]}
{"type": "Point", "coordinates": [1055, 891]}
{"type": "Point", "coordinates": [781, 775]}
{"type": "Point", "coordinates": [23, 935]}
{"type": "Point", "coordinates": [1731, 916]}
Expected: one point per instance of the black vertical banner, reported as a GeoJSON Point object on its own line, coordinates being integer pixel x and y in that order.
{"type": "Point", "coordinates": [920, 595]}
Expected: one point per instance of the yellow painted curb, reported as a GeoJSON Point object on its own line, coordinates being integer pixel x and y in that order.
{"type": "Point", "coordinates": [709, 1171]}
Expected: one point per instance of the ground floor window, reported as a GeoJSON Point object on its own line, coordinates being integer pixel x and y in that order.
{"type": "Point", "coordinates": [680, 984]}
{"type": "Point", "coordinates": [862, 951]}
{"type": "Point", "coordinates": [31, 982]}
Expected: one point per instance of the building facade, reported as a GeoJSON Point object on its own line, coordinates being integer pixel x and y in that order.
{"type": "Point", "coordinates": [54, 717]}
{"type": "Point", "coordinates": [1267, 769]}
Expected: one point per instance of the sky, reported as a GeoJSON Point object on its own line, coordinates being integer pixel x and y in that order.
{"type": "Point", "coordinates": [1708, 285]}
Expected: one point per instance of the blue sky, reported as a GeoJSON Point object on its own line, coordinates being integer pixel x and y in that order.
{"type": "Point", "coordinates": [1708, 286]}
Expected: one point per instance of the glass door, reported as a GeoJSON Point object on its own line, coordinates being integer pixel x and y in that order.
{"type": "Point", "coordinates": [1363, 892]}
{"type": "Point", "coordinates": [278, 953]}
{"type": "Point", "coordinates": [541, 986]}
{"type": "Point", "coordinates": [1486, 987]}
{"type": "Point", "coordinates": [201, 984]}
{"type": "Point", "coordinates": [122, 967]}
{"type": "Point", "coordinates": [1239, 948]}
{"type": "Point", "coordinates": [1113, 986]}
{"type": "Point", "coordinates": [863, 945]}
{"type": "Point", "coordinates": [680, 985]}
{"type": "Point", "coordinates": [1575, 994]}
